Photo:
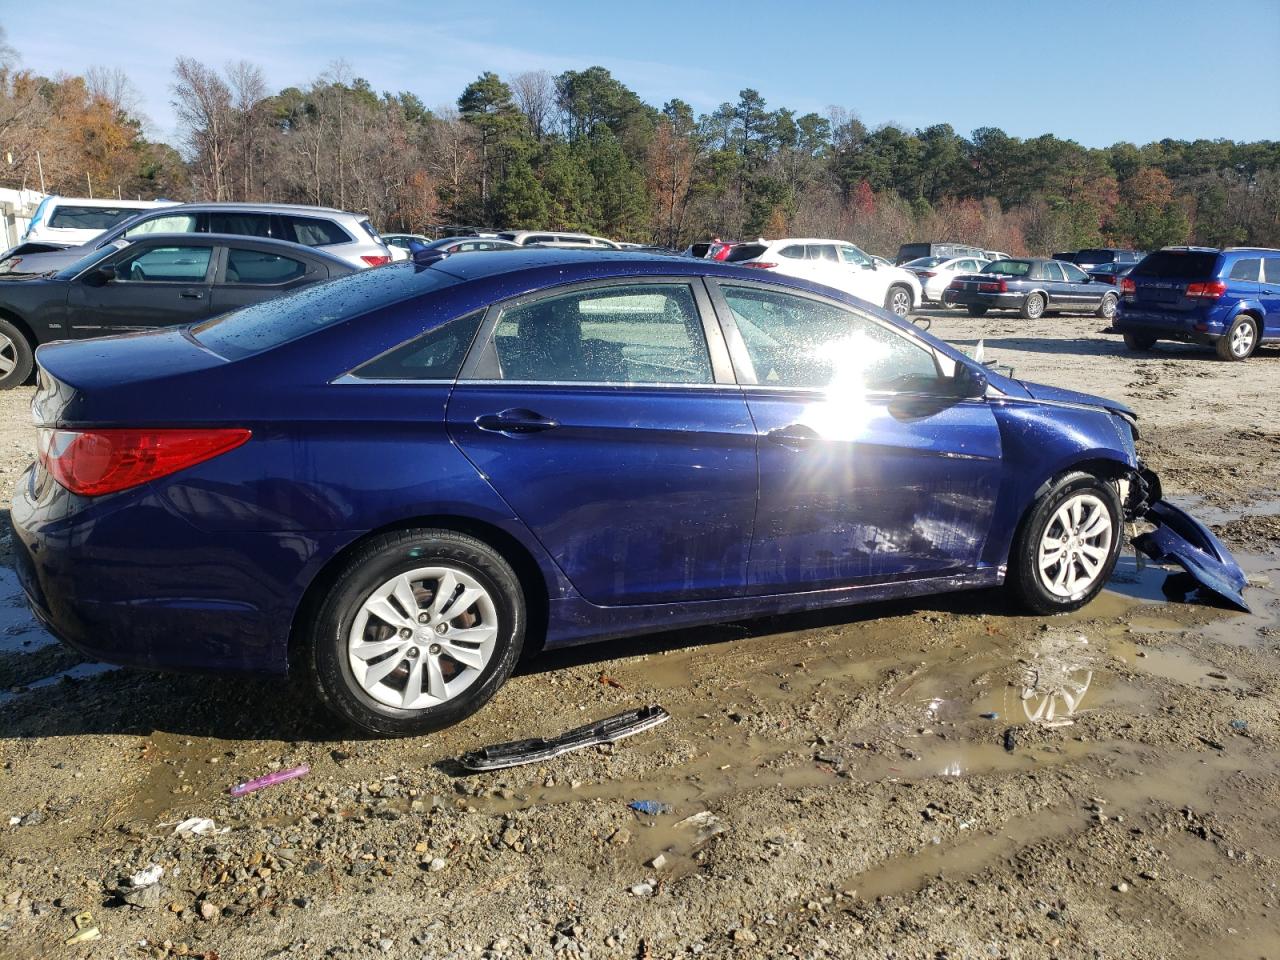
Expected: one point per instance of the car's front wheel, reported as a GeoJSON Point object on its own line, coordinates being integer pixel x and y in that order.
{"type": "Point", "coordinates": [1067, 546]}
{"type": "Point", "coordinates": [1241, 340]}
{"type": "Point", "coordinates": [418, 631]}
{"type": "Point", "coordinates": [898, 301]}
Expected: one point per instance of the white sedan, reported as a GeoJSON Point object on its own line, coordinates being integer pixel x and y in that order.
{"type": "Point", "coordinates": [936, 273]}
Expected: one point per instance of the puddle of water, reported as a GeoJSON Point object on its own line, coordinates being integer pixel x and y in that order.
{"type": "Point", "coordinates": [19, 630]}
{"type": "Point", "coordinates": [81, 671]}
{"type": "Point", "coordinates": [1168, 662]}
{"type": "Point", "coordinates": [1211, 515]}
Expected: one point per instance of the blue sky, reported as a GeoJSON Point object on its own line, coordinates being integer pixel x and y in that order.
{"type": "Point", "coordinates": [1096, 72]}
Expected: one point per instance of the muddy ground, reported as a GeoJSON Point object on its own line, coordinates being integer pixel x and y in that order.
{"type": "Point", "coordinates": [861, 783]}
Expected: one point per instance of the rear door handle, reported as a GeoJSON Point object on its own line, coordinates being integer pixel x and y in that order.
{"type": "Point", "coordinates": [795, 435]}
{"type": "Point", "coordinates": [191, 295]}
{"type": "Point", "coordinates": [515, 421]}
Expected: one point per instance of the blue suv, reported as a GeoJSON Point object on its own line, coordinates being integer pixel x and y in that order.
{"type": "Point", "coordinates": [1228, 299]}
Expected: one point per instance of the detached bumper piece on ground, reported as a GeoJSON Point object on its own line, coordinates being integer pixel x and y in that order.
{"type": "Point", "coordinates": [608, 730]}
{"type": "Point", "coordinates": [1181, 539]}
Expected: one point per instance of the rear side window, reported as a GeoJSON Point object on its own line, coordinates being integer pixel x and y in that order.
{"type": "Point", "coordinates": [313, 231]}
{"type": "Point", "coordinates": [1273, 270]}
{"type": "Point", "coordinates": [793, 251]}
{"type": "Point", "coordinates": [822, 251]}
{"type": "Point", "coordinates": [68, 217]}
{"type": "Point", "coordinates": [745, 251]}
{"type": "Point", "coordinates": [436, 355]}
{"type": "Point", "coordinates": [1178, 264]}
{"type": "Point", "coordinates": [240, 224]}
{"type": "Point", "coordinates": [255, 266]}
{"type": "Point", "coordinates": [1248, 269]}
{"type": "Point", "coordinates": [262, 326]}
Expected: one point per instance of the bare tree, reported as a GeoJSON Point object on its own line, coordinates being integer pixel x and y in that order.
{"type": "Point", "coordinates": [535, 94]}
{"type": "Point", "coordinates": [202, 101]}
{"type": "Point", "coordinates": [113, 86]}
{"type": "Point", "coordinates": [248, 90]}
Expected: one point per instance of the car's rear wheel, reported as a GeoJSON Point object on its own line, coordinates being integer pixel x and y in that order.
{"type": "Point", "coordinates": [1033, 307]}
{"type": "Point", "coordinates": [977, 311]}
{"type": "Point", "coordinates": [898, 301]}
{"type": "Point", "coordinates": [1139, 341]}
{"type": "Point", "coordinates": [418, 631]}
{"type": "Point", "coordinates": [1107, 309]}
{"type": "Point", "coordinates": [16, 356]}
{"type": "Point", "coordinates": [1240, 340]}
{"type": "Point", "coordinates": [1067, 546]}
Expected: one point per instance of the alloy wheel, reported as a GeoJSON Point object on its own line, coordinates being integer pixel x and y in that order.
{"type": "Point", "coordinates": [8, 355]}
{"type": "Point", "coordinates": [900, 302]}
{"type": "Point", "coordinates": [1242, 339]}
{"type": "Point", "coordinates": [1075, 545]}
{"type": "Point", "coordinates": [423, 637]}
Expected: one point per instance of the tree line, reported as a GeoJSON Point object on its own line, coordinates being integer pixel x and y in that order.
{"type": "Point", "coordinates": [579, 150]}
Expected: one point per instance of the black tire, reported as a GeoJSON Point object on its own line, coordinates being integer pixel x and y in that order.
{"type": "Point", "coordinates": [1107, 308]}
{"type": "Point", "coordinates": [374, 564]}
{"type": "Point", "coordinates": [15, 354]}
{"type": "Point", "coordinates": [1024, 579]}
{"type": "Point", "coordinates": [977, 311]}
{"type": "Point", "coordinates": [899, 301]}
{"type": "Point", "coordinates": [1240, 340]}
{"type": "Point", "coordinates": [1139, 341]}
{"type": "Point", "coordinates": [1033, 307]}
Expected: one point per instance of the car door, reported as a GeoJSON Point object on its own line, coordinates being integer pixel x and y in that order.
{"type": "Point", "coordinates": [153, 286]}
{"type": "Point", "coordinates": [247, 275]}
{"type": "Point", "coordinates": [1085, 293]}
{"type": "Point", "coordinates": [861, 278]}
{"type": "Point", "coordinates": [1269, 294]}
{"type": "Point", "coordinates": [870, 468]}
{"type": "Point", "coordinates": [607, 418]}
{"type": "Point", "coordinates": [1055, 284]}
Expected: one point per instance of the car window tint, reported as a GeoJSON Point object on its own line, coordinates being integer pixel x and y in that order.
{"type": "Point", "coordinates": [646, 333]}
{"type": "Point", "coordinates": [745, 251]}
{"type": "Point", "coordinates": [256, 266]}
{"type": "Point", "coordinates": [70, 217]}
{"type": "Point", "coordinates": [172, 223]}
{"type": "Point", "coordinates": [268, 324]}
{"type": "Point", "coordinates": [822, 251]}
{"type": "Point", "coordinates": [1051, 271]}
{"type": "Point", "coordinates": [796, 342]}
{"type": "Point", "coordinates": [1273, 270]}
{"type": "Point", "coordinates": [166, 265]}
{"type": "Point", "coordinates": [794, 251]}
{"type": "Point", "coordinates": [1246, 269]}
{"type": "Point", "coordinates": [313, 231]}
{"type": "Point", "coordinates": [240, 224]}
{"type": "Point", "coordinates": [851, 254]}
{"type": "Point", "coordinates": [1074, 273]}
{"type": "Point", "coordinates": [436, 355]}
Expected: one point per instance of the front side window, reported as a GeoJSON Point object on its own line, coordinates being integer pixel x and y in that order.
{"type": "Point", "coordinates": [254, 266]}
{"type": "Point", "coordinates": [643, 333]}
{"type": "Point", "coordinates": [436, 355]}
{"type": "Point", "coordinates": [1074, 273]}
{"type": "Point", "coordinates": [1247, 269]}
{"type": "Point", "coordinates": [797, 342]}
{"type": "Point", "coordinates": [851, 254]}
{"type": "Point", "coordinates": [166, 265]}
{"type": "Point", "coordinates": [172, 223]}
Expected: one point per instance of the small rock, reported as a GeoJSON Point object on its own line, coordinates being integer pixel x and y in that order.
{"type": "Point", "coordinates": [620, 837]}
{"type": "Point", "coordinates": [437, 864]}
{"type": "Point", "coordinates": [743, 935]}
{"type": "Point", "coordinates": [385, 945]}
{"type": "Point", "coordinates": [1122, 887]}
{"type": "Point", "coordinates": [658, 862]}
{"type": "Point", "coordinates": [208, 911]}
{"type": "Point", "coordinates": [642, 890]}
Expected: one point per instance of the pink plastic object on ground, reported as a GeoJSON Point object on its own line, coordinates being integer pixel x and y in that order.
{"type": "Point", "coordinates": [270, 780]}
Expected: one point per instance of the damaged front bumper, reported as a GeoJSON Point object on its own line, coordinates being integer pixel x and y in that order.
{"type": "Point", "coordinates": [1178, 538]}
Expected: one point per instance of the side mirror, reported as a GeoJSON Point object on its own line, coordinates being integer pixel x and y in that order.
{"type": "Point", "coordinates": [870, 265]}
{"type": "Point", "coordinates": [969, 382]}
{"type": "Point", "coordinates": [99, 276]}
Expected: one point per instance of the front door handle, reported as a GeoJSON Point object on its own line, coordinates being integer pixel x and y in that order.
{"type": "Point", "coordinates": [515, 421]}
{"type": "Point", "coordinates": [796, 436]}
{"type": "Point", "coordinates": [191, 295]}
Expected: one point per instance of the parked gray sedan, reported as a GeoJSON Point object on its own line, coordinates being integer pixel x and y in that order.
{"type": "Point", "coordinates": [1032, 287]}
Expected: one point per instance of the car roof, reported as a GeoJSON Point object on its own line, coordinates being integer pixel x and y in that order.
{"type": "Point", "coordinates": [110, 202]}
{"type": "Point", "coordinates": [264, 208]}
{"type": "Point", "coordinates": [1250, 250]}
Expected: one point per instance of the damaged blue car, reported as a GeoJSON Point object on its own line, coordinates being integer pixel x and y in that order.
{"type": "Point", "coordinates": [392, 483]}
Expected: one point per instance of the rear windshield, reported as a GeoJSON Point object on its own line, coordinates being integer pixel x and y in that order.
{"type": "Point", "coordinates": [369, 229]}
{"type": "Point", "coordinates": [1094, 256]}
{"type": "Point", "coordinates": [745, 251]}
{"type": "Point", "coordinates": [911, 250]}
{"type": "Point", "coordinates": [89, 218]}
{"type": "Point", "coordinates": [926, 262]}
{"type": "Point", "coordinates": [1008, 268]}
{"type": "Point", "coordinates": [268, 324]}
{"type": "Point", "coordinates": [1182, 264]}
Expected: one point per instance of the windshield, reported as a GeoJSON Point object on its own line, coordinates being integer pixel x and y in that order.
{"type": "Point", "coordinates": [268, 324]}
{"type": "Point", "coordinates": [85, 262]}
{"type": "Point", "coordinates": [926, 262]}
{"type": "Point", "coordinates": [89, 218]}
{"type": "Point", "coordinates": [1008, 268]}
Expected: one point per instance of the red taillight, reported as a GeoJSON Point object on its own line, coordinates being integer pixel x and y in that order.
{"type": "Point", "coordinates": [376, 261]}
{"type": "Point", "coordinates": [758, 265]}
{"type": "Point", "coordinates": [94, 462]}
{"type": "Point", "coordinates": [1127, 286]}
{"type": "Point", "coordinates": [999, 286]}
{"type": "Point", "coordinates": [1210, 290]}
{"type": "Point", "coordinates": [926, 274]}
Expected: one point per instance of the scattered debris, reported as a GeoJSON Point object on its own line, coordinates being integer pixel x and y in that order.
{"type": "Point", "coordinates": [642, 890]}
{"type": "Point", "coordinates": [652, 807]}
{"type": "Point", "coordinates": [146, 877]}
{"type": "Point", "coordinates": [535, 749]}
{"type": "Point", "coordinates": [270, 780]}
{"type": "Point", "coordinates": [86, 929]}
{"type": "Point", "coordinates": [1209, 742]}
{"type": "Point", "coordinates": [658, 862]}
{"type": "Point", "coordinates": [608, 681]}
{"type": "Point", "coordinates": [991, 715]}
{"type": "Point", "coordinates": [198, 827]}
{"type": "Point", "coordinates": [1239, 725]}
{"type": "Point", "coordinates": [1011, 739]}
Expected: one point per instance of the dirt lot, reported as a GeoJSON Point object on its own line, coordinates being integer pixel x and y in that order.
{"type": "Point", "coordinates": [863, 783]}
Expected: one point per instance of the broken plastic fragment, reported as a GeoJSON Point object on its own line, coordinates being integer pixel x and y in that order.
{"type": "Point", "coordinates": [608, 730]}
{"type": "Point", "coordinates": [197, 827]}
{"type": "Point", "coordinates": [86, 929]}
{"type": "Point", "coordinates": [651, 807]}
{"type": "Point", "coordinates": [146, 876]}
{"type": "Point", "coordinates": [270, 780]}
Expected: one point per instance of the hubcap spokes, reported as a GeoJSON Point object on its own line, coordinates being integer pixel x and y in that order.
{"type": "Point", "coordinates": [900, 306]}
{"type": "Point", "coordinates": [8, 355]}
{"type": "Point", "coordinates": [422, 637]}
{"type": "Point", "coordinates": [1242, 340]}
{"type": "Point", "coordinates": [1075, 546]}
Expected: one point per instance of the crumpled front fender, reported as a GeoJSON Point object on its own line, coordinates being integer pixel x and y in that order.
{"type": "Point", "coordinates": [1180, 538]}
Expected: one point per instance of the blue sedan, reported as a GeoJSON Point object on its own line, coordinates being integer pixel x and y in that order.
{"type": "Point", "coordinates": [393, 482]}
